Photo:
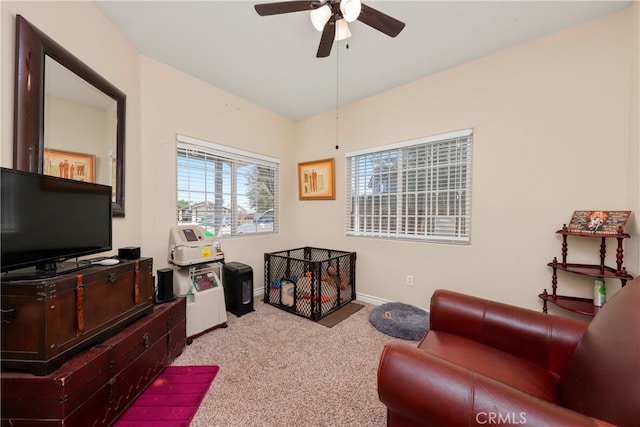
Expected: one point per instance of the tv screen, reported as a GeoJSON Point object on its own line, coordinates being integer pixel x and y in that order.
{"type": "Point", "coordinates": [47, 220]}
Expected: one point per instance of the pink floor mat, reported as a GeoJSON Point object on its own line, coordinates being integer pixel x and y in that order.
{"type": "Point", "coordinates": [172, 399]}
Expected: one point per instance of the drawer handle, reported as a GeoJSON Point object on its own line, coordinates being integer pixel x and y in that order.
{"type": "Point", "coordinates": [8, 314]}
{"type": "Point", "coordinates": [112, 277]}
{"type": "Point", "coordinates": [145, 340]}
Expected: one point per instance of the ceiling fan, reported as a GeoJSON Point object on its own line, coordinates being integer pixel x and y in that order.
{"type": "Point", "coordinates": [331, 17]}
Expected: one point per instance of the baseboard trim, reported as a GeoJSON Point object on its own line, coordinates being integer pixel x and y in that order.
{"type": "Point", "coordinates": [377, 301]}
{"type": "Point", "coordinates": [370, 299]}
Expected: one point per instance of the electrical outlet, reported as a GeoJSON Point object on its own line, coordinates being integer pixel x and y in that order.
{"type": "Point", "coordinates": [409, 280]}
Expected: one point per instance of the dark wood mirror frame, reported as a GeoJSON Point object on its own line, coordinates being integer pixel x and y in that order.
{"type": "Point", "coordinates": [28, 135]}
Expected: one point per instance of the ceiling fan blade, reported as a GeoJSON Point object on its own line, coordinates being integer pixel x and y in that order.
{"type": "Point", "coordinates": [328, 35]}
{"type": "Point", "coordinates": [380, 21]}
{"type": "Point", "coordinates": [266, 9]}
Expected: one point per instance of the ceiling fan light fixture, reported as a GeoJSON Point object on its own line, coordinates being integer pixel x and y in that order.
{"type": "Point", "coordinates": [320, 16]}
{"type": "Point", "coordinates": [342, 30]}
{"type": "Point", "coordinates": [350, 9]}
{"type": "Point", "coordinates": [331, 18]}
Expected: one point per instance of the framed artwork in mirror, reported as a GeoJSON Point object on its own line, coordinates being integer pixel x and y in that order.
{"type": "Point", "coordinates": [70, 165]}
{"type": "Point", "coordinates": [316, 180]}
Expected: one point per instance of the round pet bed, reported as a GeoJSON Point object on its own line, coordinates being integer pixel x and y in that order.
{"type": "Point", "coordinates": [400, 320]}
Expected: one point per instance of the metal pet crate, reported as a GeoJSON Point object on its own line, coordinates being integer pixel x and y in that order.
{"type": "Point", "coordinates": [310, 282]}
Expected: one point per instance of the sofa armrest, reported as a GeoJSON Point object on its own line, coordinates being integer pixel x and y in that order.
{"type": "Point", "coordinates": [543, 339]}
{"type": "Point", "coordinates": [427, 390]}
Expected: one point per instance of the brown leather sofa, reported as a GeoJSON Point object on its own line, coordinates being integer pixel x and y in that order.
{"type": "Point", "coordinates": [486, 363]}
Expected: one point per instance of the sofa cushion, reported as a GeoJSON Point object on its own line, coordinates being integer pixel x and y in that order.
{"type": "Point", "coordinates": [603, 376]}
{"type": "Point", "coordinates": [498, 365]}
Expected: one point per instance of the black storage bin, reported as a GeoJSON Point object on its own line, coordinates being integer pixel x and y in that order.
{"type": "Point", "coordinates": [237, 280]}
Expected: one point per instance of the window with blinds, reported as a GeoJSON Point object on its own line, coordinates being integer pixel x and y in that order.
{"type": "Point", "coordinates": [418, 190]}
{"type": "Point", "coordinates": [225, 190]}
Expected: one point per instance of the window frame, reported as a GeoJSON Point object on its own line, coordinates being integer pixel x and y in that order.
{"type": "Point", "coordinates": [418, 190]}
{"type": "Point", "coordinates": [229, 161]}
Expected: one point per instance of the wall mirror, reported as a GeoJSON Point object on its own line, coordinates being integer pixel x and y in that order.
{"type": "Point", "coordinates": [68, 120]}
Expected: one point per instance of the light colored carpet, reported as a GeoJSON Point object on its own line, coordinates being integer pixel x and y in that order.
{"type": "Point", "coordinates": [280, 369]}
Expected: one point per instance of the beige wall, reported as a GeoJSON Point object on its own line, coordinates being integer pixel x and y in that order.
{"type": "Point", "coordinates": [555, 129]}
{"type": "Point", "coordinates": [175, 103]}
{"type": "Point", "coordinates": [551, 135]}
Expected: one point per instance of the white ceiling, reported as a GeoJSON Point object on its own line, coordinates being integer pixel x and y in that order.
{"type": "Point", "coordinates": [271, 60]}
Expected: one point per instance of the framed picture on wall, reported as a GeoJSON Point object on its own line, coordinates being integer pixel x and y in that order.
{"type": "Point", "coordinates": [70, 165]}
{"type": "Point", "coordinates": [316, 180]}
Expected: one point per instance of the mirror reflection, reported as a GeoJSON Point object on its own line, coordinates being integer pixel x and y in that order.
{"type": "Point", "coordinates": [86, 150]}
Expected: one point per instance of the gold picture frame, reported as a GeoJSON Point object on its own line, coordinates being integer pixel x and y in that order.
{"type": "Point", "coordinates": [70, 165]}
{"type": "Point", "coordinates": [316, 180]}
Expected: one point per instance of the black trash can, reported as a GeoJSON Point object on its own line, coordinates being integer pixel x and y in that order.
{"type": "Point", "coordinates": [237, 280]}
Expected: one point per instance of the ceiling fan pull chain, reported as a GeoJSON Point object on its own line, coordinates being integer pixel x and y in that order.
{"type": "Point", "coordinates": [337, 96]}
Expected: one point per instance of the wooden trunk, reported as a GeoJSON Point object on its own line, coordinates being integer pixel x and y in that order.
{"type": "Point", "coordinates": [46, 322]}
{"type": "Point", "coordinates": [98, 385]}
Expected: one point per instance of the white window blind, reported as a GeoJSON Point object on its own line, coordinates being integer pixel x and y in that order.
{"type": "Point", "coordinates": [419, 190]}
{"type": "Point", "coordinates": [225, 190]}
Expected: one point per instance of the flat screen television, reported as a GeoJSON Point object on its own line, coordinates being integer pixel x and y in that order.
{"type": "Point", "coordinates": [46, 221]}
